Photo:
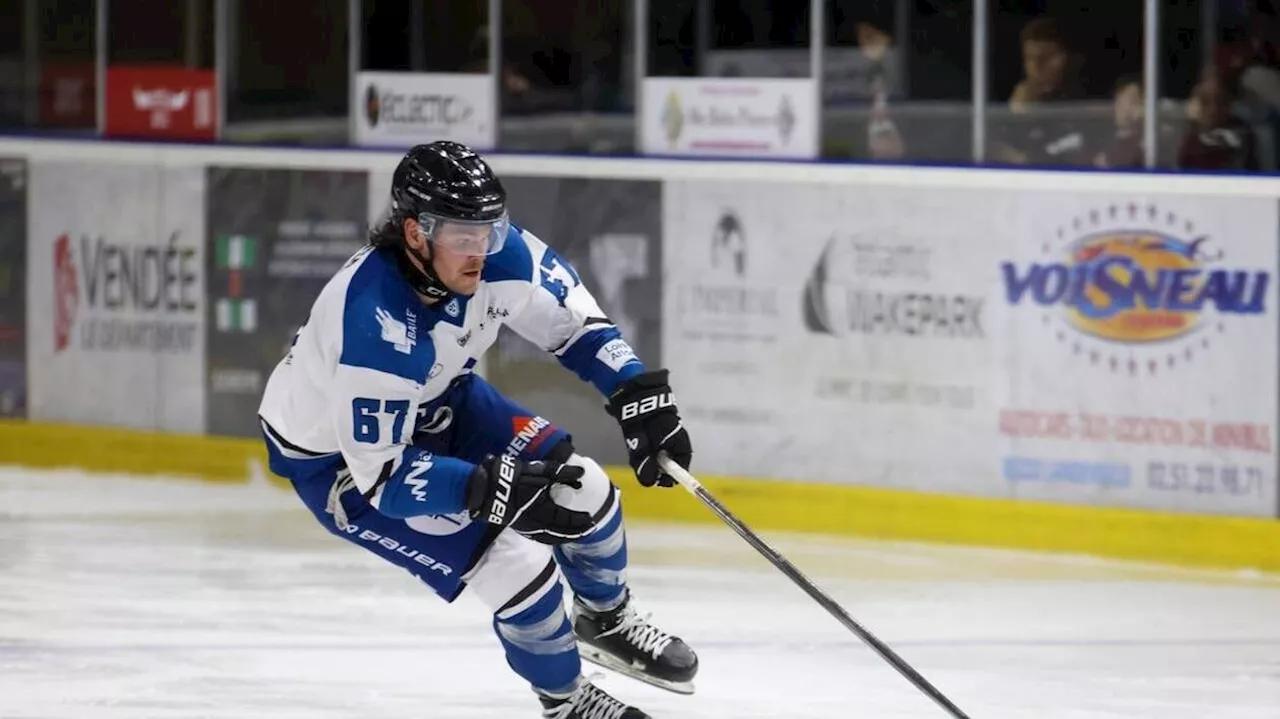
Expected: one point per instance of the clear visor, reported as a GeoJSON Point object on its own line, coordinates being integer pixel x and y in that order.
{"type": "Point", "coordinates": [463, 237]}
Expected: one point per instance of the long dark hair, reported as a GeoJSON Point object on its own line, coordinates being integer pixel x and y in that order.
{"type": "Point", "coordinates": [387, 232]}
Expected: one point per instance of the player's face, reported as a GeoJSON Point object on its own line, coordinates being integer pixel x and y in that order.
{"type": "Point", "coordinates": [457, 252]}
{"type": "Point", "coordinates": [457, 248]}
{"type": "Point", "coordinates": [458, 269]}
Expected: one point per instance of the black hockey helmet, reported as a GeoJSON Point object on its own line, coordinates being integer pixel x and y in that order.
{"type": "Point", "coordinates": [458, 202]}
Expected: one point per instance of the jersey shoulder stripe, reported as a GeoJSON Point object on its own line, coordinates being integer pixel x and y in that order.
{"type": "Point", "coordinates": [513, 262]}
{"type": "Point", "coordinates": [383, 323]}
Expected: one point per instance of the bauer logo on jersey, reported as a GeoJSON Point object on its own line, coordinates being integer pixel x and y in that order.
{"type": "Point", "coordinates": [1135, 288]}
{"type": "Point", "coordinates": [372, 537]}
{"type": "Point", "coordinates": [402, 335]}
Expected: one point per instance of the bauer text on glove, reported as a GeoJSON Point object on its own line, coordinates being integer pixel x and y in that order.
{"type": "Point", "coordinates": [505, 491]}
{"type": "Point", "coordinates": [646, 410]}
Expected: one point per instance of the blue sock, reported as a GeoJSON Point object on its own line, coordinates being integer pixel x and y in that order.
{"type": "Point", "coordinates": [540, 644]}
{"type": "Point", "coordinates": [596, 565]}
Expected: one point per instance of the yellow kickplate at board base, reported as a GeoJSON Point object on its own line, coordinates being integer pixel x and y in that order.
{"type": "Point", "coordinates": [1164, 537]}
{"type": "Point", "coordinates": [1169, 538]}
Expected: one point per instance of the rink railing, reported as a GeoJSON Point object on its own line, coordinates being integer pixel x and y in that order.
{"type": "Point", "coordinates": [1071, 361]}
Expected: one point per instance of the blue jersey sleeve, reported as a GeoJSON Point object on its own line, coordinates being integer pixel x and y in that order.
{"type": "Point", "coordinates": [603, 358]}
{"type": "Point", "coordinates": [421, 483]}
{"type": "Point", "coordinates": [563, 318]}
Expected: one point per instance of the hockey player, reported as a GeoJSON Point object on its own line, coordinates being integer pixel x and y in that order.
{"type": "Point", "coordinates": [394, 444]}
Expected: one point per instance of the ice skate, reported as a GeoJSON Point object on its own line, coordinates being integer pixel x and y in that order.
{"type": "Point", "coordinates": [624, 641]}
{"type": "Point", "coordinates": [588, 702]}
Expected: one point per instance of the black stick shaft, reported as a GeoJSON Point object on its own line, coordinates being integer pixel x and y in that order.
{"type": "Point", "coordinates": [811, 589]}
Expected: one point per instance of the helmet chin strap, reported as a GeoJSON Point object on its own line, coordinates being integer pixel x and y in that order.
{"type": "Point", "coordinates": [424, 280]}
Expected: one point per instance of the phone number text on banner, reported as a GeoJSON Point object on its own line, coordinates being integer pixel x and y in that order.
{"type": "Point", "coordinates": [1080, 348]}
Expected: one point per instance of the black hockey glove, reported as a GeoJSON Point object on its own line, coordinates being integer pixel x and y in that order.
{"type": "Point", "coordinates": [643, 405]}
{"type": "Point", "coordinates": [505, 491]}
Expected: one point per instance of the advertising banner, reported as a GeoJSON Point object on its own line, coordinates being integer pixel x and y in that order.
{"type": "Point", "coordinates": [813, 335]}
{"type": "Point", "coordinates": [732, 117]}
{"type": "Point", "coordinates": [116, 295]}
{"type": "Point", "coordinates": [13, 290]}
{"type": "Point", "coordinates": [276, 237]}
{"type": "Point", "coordinates": [1001, 344]}
{"type": "Point", "coordinates": [400, 109]}
{"type": "Point", "coordinates": [849, 74]}
{"type": "Point", "coordinates": [167, 102]}
{"type": "Point", "coordinates": [1139, 345]}
{"type": "Point", "coordinates": [610, 231]}
{"type": "Point", "coordinates": [68, 95]}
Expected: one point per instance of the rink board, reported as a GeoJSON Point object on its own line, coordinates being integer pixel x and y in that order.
{"type": "Point", "coordinates": [1173, 538]}
{"type": "Point", "coordinates": [1018, 422]}
{"type": "Point", "coordinates": [1022, 344]}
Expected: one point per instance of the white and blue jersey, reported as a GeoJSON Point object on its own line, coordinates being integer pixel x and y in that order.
{"type": "Point", "coordinates": [372, 356]}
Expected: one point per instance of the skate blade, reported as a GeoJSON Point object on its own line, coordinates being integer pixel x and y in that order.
{"type": "Point", "coordinates": [608, 661]}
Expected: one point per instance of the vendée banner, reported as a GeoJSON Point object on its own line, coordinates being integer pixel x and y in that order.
{"type": "Point", "coordinates": [116, 295]}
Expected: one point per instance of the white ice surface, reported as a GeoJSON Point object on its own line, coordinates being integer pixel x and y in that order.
{"type": "Point", "coordinates": [126, 598]}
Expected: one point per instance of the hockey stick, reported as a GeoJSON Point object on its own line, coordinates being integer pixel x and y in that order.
{"type": "Point", "coordinates": [695, 488]}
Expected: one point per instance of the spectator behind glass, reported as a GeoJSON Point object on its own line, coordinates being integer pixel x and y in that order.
{"type": "Point", "coordinates": [1125, 147]}
{"type": "Point", "coordinates": [864, 60]}
{"type": "Point", "coordinates": [1051, 74]}
{"type": "Point", "coordinates": [1124, 150]}
{"type": "Point", "coordinates": [884, 141]}
{"type": "Point", "coordinates": [1255, 61]}
{"type": "Point", "coordinates": [513, 82]}
{"type": "Point", "coordinates": [1217, 138]}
